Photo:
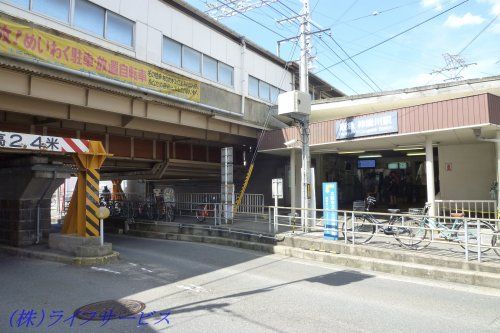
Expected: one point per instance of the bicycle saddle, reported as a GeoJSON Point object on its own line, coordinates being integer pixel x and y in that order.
{"type": "Point", "coordinates": [457, 214]}
{"type": "Point", "coordinates": [393, 210]}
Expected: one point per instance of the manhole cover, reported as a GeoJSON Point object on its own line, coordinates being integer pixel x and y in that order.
{"type": "Point", "coordinates": [112, 309]}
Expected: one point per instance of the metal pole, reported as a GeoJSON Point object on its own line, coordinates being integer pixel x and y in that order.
{"type": "Point", "coordinates": [345, 227]}
{"type": "Point", "coordinates": [276, 213]}
{"type": "Point", "coordinates": [101, 231]}
{"type": "Point", "coordinates": [478, 241]}
{"type": "Point", "coordinates": [466, 226]}
{"type": "Point", "coordinates": [352, 226]}
{"type": "Point", "coordinates": [269, 219]}
{"type": "Point", "coordinates": [429, 170]}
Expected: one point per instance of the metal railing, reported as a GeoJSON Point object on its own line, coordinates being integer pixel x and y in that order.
{"type": "Point", "coordinates": [251, 203]}
{"type": "Point", "coordinates": [479, 238]}
{"type": "Point", "coordinates": [470, 208]}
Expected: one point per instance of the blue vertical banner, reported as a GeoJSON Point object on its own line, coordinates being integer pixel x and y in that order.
{"type": "Point", "coordinates": [330, 214]}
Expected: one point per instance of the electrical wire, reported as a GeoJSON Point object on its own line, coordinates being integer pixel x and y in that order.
{"type": "Point", "coordinates": [342, 60]}
{"type": "Point", "coordinates": [478, 34]}
{"type": "Point", "coordinates": [399, 34]}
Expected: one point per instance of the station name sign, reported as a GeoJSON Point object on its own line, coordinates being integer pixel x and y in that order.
{"type": "Point", "coordinates": [367, 125]}
{"type": "Point", "coordinates": [24, 40]}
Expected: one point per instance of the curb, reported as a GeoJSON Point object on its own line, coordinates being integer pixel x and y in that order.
{"type": "Point", "coordinates": [455, 275]}
{"type": "Point", "coordinates": [66, 259]}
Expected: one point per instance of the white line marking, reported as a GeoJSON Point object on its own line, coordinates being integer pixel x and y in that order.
{"type": "Point", "coordinates": [104, 270]}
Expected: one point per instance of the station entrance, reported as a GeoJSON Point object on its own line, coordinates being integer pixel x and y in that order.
{"type": "Point", "coordinates": [396, 178]}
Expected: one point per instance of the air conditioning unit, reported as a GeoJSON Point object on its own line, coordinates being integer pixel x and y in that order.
{"type": "Point", "coordinates": [294, 104]}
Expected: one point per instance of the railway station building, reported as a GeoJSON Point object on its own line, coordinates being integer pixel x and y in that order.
{"type": "Point", "coordinates": [438, 142]}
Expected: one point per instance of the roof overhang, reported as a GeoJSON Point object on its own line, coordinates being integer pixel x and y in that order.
{"type": "Point", "coordinates": [340, 107]}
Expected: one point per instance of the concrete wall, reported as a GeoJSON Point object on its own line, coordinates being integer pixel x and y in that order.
{"type": "Point", "coordinates": [472, 171]}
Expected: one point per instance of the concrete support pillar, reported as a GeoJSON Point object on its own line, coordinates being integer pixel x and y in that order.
{"type": "Point", "coordinates": [429, 170]}
{"type": "Point", "coordinates": [295, 177]}
{"type": "Point", "coordinates": [26, 188]}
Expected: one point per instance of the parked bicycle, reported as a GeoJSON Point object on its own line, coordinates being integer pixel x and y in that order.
{"type": "Point", "coordinates": [206, 210]}
{"type": "Point", "coordinates": [418, 232]}
{"type": "Point", "coordinates": [366, 225]}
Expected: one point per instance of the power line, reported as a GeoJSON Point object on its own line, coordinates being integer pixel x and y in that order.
{"type": "Point", "coordinates": [337, 77]}
{"type": "Point", "coordinates": [479, 34]}
{"type": "Point", "coordinates": [345, 12]}
{"type": "Point", "coordinates": [251, 19]}
{"type": "Point", "coordinates": [342, 60]}
{"type": "Point", "coordinates": [398, 34]}
{"type": "Point", "coordinates": [353, 61]}
{"type": "Point", "coordinates": [377, 12]}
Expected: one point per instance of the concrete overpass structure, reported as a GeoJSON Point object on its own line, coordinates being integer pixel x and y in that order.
{"type": "Point", "coordinates": [162, 86]}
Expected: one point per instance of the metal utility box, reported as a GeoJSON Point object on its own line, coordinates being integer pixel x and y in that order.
{"type": "Point", "coordinates": [294, 103]}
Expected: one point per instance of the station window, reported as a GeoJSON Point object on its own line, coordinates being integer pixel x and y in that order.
{"type": "Point", "coordinates": [172, 52]}
{"type": "Point", "coordinates": [264, 89]}
{"type": "Point", "coordinates": [191, 60]}
{"type": "Point", "coordinates": [182, 56]}
{"type": "Point", "coordinates": [119, 29]}
{"type": "Point", "coordinates": [20, 3]}
{"type": "Point", "coordinates": [89, 16]}
{"type": "Point", "coordinates": [225, 74]}
{"type": "Point", "coordinates": [86, 16]}
{"type": "Point", "coordinates": [209, 68]}
{"type": "Point", "coordinates": [253, 86]}
{"type": "Point", "coordinates": [274, 95]}
{"type": "Point", "coordinates": [260, 89]}
{"type": "Point", "coordinates": [58, 9]}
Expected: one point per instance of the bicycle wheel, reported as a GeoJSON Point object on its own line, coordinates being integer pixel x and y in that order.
{"type": "Point", "coordinates": [488, 236]}
{"type": "Point", "coordinates": [364, 229]}
{"type": "Point", "coordinates": [410, 233]}
{"type": "Point", "coordinates": [149, 211]}
{"type": "Point", "coordinates": [497, 243]}
{"type": "Point", "coordinates": [170, 214]}
{"type": "Point", "coordinates": [201, 213]}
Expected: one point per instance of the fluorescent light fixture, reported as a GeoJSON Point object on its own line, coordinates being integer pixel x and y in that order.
{"type": "Point", "coordinates": [416, 154]}
{"type": "Point", "coordinates": [352, 152]}
{"type": "Point", "coordinates": [404, 148]}
{"type": "Point", "coordinates": [370, 156]}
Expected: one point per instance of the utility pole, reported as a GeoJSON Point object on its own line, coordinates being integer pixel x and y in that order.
{"type": "Point", "coordinates": [305, 48]}
{"type": "Point", "coordinates": [304, 39]}
{"type": "Point", "coordinates": [233, 7]}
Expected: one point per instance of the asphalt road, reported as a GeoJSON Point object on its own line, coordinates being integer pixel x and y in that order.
{"type": "Point", "coordinates": [210, 288]}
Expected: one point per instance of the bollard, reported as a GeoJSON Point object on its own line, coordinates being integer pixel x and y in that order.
{"type": "Point", "coordinates": [102, 213]}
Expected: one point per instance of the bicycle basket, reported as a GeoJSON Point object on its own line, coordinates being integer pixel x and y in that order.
{"type": "Point", "coordinates": [358, 205]}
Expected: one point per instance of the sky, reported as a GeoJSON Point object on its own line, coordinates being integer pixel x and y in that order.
{"type": "Point", "coordinates": [405, 61]}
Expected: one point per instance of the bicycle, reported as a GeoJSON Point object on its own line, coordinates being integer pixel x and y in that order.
{"type": "Point", "coordinates": [366, 225]}
{"type": "Point", "coordinates": [205, 210]}
{"type": "Point", "coordinates": [413, 234]}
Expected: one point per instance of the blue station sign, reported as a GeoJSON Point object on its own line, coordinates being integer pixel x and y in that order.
{"type": "Point", "coordinates": [330, 214]}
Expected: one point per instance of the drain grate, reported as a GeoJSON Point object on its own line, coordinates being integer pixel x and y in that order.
{"type": "Point", "coordinates": [110, 309]}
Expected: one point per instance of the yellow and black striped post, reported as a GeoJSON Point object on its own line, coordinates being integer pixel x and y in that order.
{"type": "Point", "coordinates": [92, 202]}
{"type": "Point", "coordinates": [81, 218]}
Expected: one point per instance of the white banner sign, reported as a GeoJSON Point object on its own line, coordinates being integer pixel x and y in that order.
{"type": "Point", "coordinates": [41, 142]}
